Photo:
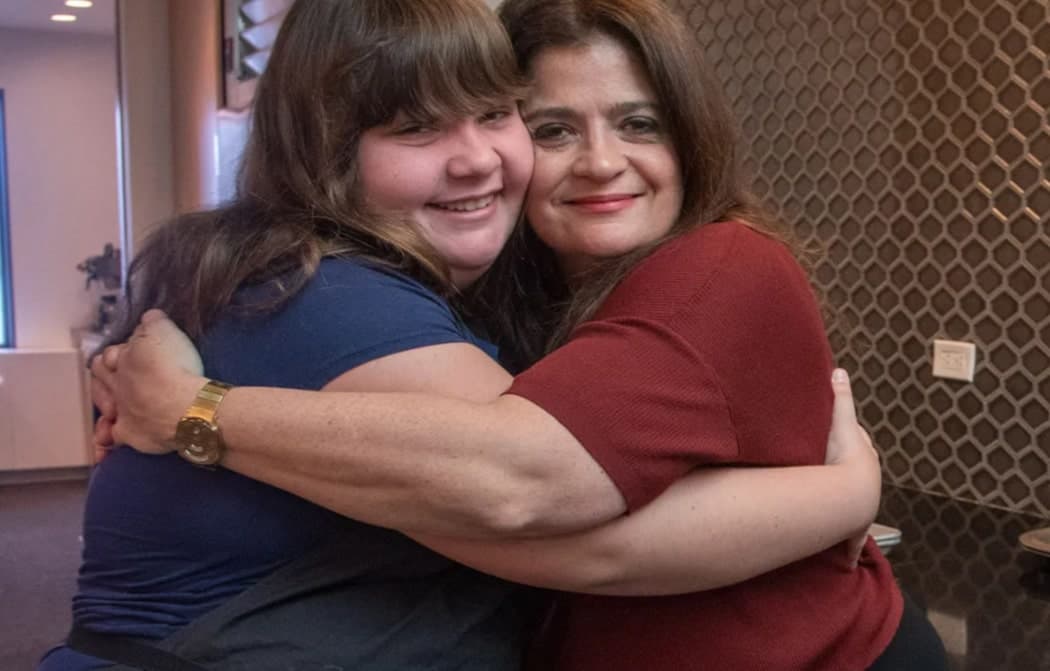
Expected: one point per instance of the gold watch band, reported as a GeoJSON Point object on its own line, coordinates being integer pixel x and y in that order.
{"type": "Point", "coordinates": [197, 436]}
{"type": "Point", "coordinates": [206, 404]}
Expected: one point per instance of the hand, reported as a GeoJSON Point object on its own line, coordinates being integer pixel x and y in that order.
{"type": "Point", "coordinates": [850, 445]}
{"type": "Point", "coordinates": [143, 387]}
{"type": "Point", "coordinates": [102, 398]}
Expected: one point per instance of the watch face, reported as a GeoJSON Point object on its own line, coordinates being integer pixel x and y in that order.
{"type": "Point", "coordinates": [198, 441]}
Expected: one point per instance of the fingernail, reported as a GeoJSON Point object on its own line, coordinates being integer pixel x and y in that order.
{"type": "Point", "coordinates": [839, 375]}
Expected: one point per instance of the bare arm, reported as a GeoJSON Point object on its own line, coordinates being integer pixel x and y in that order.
{"type": "Point", "coordinates": [702, 533]}
{"type": "Point", "coordinates": [466, 462]}
{"type": "Point", "coordinates": [715, 527]}
{"type": "Point", "coordinates": [502, 467]}
{"type": "Point", "coordinates": [299, 441]}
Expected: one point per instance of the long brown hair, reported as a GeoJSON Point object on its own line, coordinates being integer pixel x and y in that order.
{"type": "Point", "coordinates": [700, 126]}
{"type": "Point", "coordinates": [338, 68]}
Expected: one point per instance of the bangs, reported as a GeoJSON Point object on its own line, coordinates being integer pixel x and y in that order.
{"type": "Point", "coordinates": [445, 60]}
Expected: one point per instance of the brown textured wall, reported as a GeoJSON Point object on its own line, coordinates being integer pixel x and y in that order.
{"type": "Point", "coordinates": [911, 138]}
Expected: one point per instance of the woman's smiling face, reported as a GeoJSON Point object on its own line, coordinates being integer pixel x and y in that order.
{"type": "Point", "coordinates": [606, 179]}
{"type": "Point", "coordinates": [461, 181]}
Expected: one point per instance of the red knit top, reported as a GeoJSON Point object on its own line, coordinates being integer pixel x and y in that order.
{"type": "Point", "coordinates": [712, 351]}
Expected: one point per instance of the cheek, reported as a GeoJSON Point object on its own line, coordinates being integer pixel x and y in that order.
{"type": "Point", "coordinates": [545, 180]}
{"type": "Point", "coordinates": [538, 216]}
{"type": "Point", "coordinates": [537, 210]}
{"type": "Point", "coordinates": [518, 169]}
{"type": "Point", "coordinates": [671, 178]}
{"type": "Point", "coordinates": [521, 152]}
{"type": "Point", "coordinates": [379, 179]}
{"type": "Point", "coordinates": [393, 179]}
{"type": "Point", "coordinates": [666, 170]}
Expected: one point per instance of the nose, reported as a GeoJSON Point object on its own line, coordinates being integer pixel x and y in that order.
{"type": "Point", "coordinates": [601, 158]}
{"type": "Point", "coordinates": [473, 154]}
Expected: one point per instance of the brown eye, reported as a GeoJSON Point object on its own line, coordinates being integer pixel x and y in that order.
{"type": "Point", "coordinates": [550, 133]}
{"type": "Point", "coordinates": [641, 125]}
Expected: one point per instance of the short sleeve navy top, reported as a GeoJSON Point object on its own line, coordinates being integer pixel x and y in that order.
{"type": "Point", "coordinates": [166, 542]}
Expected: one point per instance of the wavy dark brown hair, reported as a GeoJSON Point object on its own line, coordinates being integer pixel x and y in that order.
{"type": "Point", "coordinates": [701, 131]}
{"type": "Point", "coordinates": [338, 68]}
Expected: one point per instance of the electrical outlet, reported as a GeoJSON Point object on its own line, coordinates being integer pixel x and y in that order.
{"type": "Point", "coordinates": [954, 360]}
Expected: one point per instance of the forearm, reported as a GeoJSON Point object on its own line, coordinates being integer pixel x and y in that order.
{"type": "Point", "coordinates": [416, 462]}
{"type": "Point", "coordinates": [716, 527]}
{"type": "Point", "coordinates": [449, 455]}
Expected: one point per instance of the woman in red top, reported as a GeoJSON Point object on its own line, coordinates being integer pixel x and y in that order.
{"type": "Point", "coordinates": [691, 339]}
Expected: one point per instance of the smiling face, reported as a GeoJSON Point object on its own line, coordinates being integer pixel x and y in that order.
{"type": "Point", "coordinates": [460, 181]}
{"type": "Point", "coordinates": [606, 179]}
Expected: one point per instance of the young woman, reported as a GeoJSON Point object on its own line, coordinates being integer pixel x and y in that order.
{"type": "Point", "coordinates": [429, 160]}
{"type": "Point", "coordinates": [350, 231]}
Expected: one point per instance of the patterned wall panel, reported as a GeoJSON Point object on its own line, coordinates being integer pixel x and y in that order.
{"type": "Point", "coordinates": [911, 139]}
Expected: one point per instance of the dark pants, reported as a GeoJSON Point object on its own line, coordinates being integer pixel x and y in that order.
{"type": "Point", "coordinates": [916, 645]}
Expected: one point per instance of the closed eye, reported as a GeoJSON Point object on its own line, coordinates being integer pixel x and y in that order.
{"type": "Point", "coordinates": [410, 129]}
{"type": "Point", "coordinates": [495, 115]}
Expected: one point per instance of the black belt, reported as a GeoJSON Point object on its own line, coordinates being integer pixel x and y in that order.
{"type": "Point", "coordinates": [133, 652]}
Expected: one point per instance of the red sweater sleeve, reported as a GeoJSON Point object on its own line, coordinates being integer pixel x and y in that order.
{"type": "Point", "coordinates": [711, 352]}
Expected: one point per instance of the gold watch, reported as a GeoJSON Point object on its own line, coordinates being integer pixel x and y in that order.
{"type": "Point", "coordinates": [197, 436]}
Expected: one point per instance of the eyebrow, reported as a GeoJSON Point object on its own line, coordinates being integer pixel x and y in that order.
{"type": "Point", "coordinates": [557, 113]}
{"type": "Point", "coordinates": [621, 109]}
{"type": "Point", "coordinates": [566, 113]}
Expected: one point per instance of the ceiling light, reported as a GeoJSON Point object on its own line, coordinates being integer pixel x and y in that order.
{"type": "Point", "coordinates": [79, 4]}
{"type": "Point", "coordinates": [63, 18]}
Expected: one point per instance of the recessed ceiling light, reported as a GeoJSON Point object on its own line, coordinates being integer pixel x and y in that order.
{"type": "Point", "coordinates": [63, 18]}
{"type": "Point", "coordinates": [79, 4]}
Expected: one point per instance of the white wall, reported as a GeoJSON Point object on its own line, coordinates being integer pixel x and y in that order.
{"type": "Point", "coordinates": [59, 97]}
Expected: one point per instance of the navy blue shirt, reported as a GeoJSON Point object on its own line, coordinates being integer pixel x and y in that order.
{"type": "Point", "coordinates": [166, 542]}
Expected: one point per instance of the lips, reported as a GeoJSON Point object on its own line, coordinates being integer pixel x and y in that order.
{"type": "Point", "coordinates": [597, 199]}
{"type": "Point", "coordinates": [602, 203]}
{"type": "Point", "coordinates": [466, 204]}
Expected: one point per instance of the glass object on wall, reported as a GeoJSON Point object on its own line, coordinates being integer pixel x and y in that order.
{"type": "Point", "coordinates": [232, 137]}
{"type": "Point", "coordinates": [250, 28]}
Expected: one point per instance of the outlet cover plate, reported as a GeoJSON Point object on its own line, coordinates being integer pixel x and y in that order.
{"type": "Point", "coordinates": [954, 360]}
